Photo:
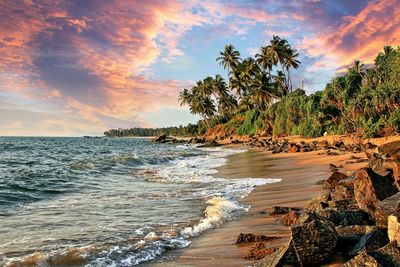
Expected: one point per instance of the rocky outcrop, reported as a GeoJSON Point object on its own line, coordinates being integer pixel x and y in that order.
{"type": "Point", "coordinates": [387, 256]}
{"type": "Point", "coordinates": [344, 217]}
{"type": "Point", "coordinates": [291, 218]}
{"type": "Point", "coordinates": [370, 188]}
{"type": "Point", "coordinates": [334, 179]}
{"type": "Point", "coordinates": [372, 240]}
{"type": "Point", "coordinates": [362, 259]}
{"type": "Point", "coordinates": [318, 202]}
{"type": "Point", "coordinates": [390, 150]}
{"type": "Point", "coordinates": [311, 244]}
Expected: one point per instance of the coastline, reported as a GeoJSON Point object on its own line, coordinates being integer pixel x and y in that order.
{"type": "Point", "coordinates": [299, 171]}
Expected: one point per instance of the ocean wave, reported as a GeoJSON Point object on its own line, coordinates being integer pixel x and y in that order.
{"type": "Point", "coordinates": [219, 209]}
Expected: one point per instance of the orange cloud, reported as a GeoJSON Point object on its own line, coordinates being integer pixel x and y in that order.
{"type": "Point", "coordinates": [358, 37]}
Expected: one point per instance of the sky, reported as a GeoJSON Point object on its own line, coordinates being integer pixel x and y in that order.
{"type": "Point", "coordinates": [72, 68]}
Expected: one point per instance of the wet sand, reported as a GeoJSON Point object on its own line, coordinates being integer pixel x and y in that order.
{"type": "Point", "coordinates": [299, 171]}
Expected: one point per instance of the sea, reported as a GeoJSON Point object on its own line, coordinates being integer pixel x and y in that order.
{"type": "Point", "coordinates": [110, 201]}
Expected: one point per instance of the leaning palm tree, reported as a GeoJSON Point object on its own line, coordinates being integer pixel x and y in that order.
{"type": "Point", "coordinates": [291, 62]}
{"type": "Point", "coordinates": [262, 91]}
{"type": "Point", "coordinates": [185, 97]}
{"type": "Point", "coordinates": [229, 58]}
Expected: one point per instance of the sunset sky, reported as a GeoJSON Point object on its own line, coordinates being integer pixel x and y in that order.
{"type": "Point", "coordinates": [71, 68]}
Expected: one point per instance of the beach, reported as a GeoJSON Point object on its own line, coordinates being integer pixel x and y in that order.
{"type": "Point", "coordinates": [299, 172]}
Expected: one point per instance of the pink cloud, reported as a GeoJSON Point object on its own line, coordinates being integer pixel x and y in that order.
{"type": "Point", "coordinates": [358, 37]}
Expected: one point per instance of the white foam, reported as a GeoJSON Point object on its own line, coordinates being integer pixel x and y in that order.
{"type": "Point", "coordinates": [219, 209]}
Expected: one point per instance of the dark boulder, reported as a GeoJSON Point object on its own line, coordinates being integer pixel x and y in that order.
{"type": "Point", "coordinates": [250, 238]}
{"type": "Point", "coordinates": [344, 217]}
{"type": "Point", "coordinates": [311, 244]}
{"type": "Point", "coordinates": [275, 210]}
{"type": "Point", "coordinates": [210, 143]}
{"type": "Point", "coordinates": [371, 241]}
{"type": "Point", "coordinates": [349, 236]}
{"type": "Point", "coordinates": [159, 139]}
{"type": "Point", "coordinates": [370, 188]}
{"type": "Point", "coordinates": [362, 259]}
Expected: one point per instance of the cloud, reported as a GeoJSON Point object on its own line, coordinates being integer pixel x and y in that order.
{"type": "Point", "coordinates": [360, 36]}
{"type": "Point", "coordinates": [96, 60]}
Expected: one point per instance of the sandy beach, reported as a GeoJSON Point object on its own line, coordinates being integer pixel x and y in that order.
{"type": "Point", "coordinates": [299, 171]}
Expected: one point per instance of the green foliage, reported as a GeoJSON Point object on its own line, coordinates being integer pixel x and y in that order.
{"type": "Point", "coordinates": [363, 100]}
{"type": "Point", "coordinates": [189, 130]}
{"type": "Point", "coordinates": [234, 123]}
{"type": "Point", "coordinates": [371, 127]}
{"type": "Point", "coordinates": [249, 126]}
{"type": "Point", "coordinates": [394, 120]}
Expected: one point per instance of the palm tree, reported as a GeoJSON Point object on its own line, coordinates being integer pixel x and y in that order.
{"type": "Point", "coordinates": [262, 90]}
{"type": "Point", "coordinates": [229, 58]}
{"type": "Point", "coordinates": [358, 67]}
{"type": "Point", "coordinates": [291, 62]}
{"type": "Point", "coordinates": [185, 97]}
{"type": "Point", "coordinates": [264, 59]}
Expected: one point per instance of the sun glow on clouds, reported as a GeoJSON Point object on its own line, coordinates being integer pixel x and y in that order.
{"type": "Point", "coordinates": [91, 65]}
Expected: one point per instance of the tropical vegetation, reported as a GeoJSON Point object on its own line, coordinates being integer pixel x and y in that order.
{"type": "Point", "coordinates": [258, 96]}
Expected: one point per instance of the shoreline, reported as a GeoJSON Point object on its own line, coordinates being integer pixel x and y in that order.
{"type": "Point", "coordinates": [299, 171]}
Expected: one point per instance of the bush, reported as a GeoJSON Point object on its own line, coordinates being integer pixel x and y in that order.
{"type": "Point", "coordinates": [394, 120]}
{"type": "Point", "coordinates": [371, 127]}
{"type": "Point", "coordinates": [234, 123]}
{"type": "Point", "coordinates": [249, 126]}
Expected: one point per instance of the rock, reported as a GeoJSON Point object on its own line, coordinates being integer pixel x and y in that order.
{"type": "Point", "coordinates": [391, 204]}
{"type": "Point", "coordinates": [318, 202]}
{"type": "Point", "coordinates": [323, 145]}
{"type": "Point", "coordinates": [159, 139]}
{"type": "Point", "coordinates": [282, 210]}
{"type": "Point", "coordinates": [311, 244]}
{"type": "Point", "coordinates": [391, 149]}
{"type": "Point", "coordinates": [375, 161]}
{"type": "Point", "coordinates": [394, 227]}
{"type": "Point", "coordinates": [278, 149]}
{"type": "Point", "coordinates": [368, 146]}
{"type": "Point", "coordinates": [396, 174]}
{"type": "Point", "coordinates": [285, 255]}
{"type": "Point", "coordinates": [362, 259]}
{"type": "Point", "coordinates": [334, 179]}
{"type": "Point", "coordinates": [371, 241]}
{"type": "Point", "coordinates": [389, 255]}
{"type": "Point", "coordinates": [211, 143]}
{"type": "Point", "coordinates": [370, 188]}
{"type": "Point", "coordinates": [344, 204]}
{"type": "Point", "coordinates": [341, 192]}
{"type": "Point", "coordinates": [292, 218]}
{"type": "Point", "coordinates": [345, 217]}
{"type": "Point", "coordinates": [293, 148]}
{"type": "Point", "coordinates": [349, 236]}
{"type": "Point", "coordinates": [250, 238]}
{"type": "Point", "coordinates": [258, 251]}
